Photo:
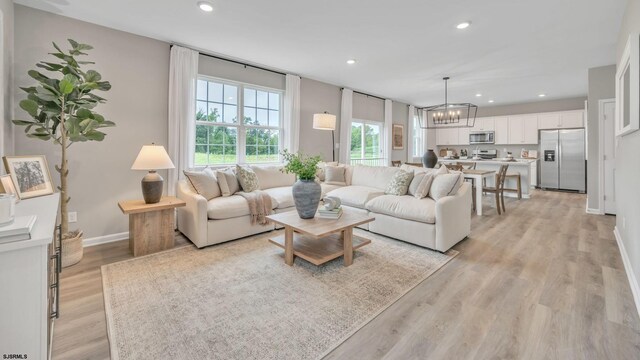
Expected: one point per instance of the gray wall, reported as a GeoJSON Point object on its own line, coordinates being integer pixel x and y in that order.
{"type": "Point", "coordinates": [401, 116]}
{"type": "Point", "coordinates": [138, 69]}
{"type": "Point", "coordinates": [6, 77]}
{"type": "Point", "coordinates": [533, 107]}
{"type": "Point", "coordinates": [236, 72]}
{"type": "Point", "coordinates": [627, 163]}
{"type": "Point", "coordinates": [318, 97]}
{"type": "Point", "coordinates": [602, 85]}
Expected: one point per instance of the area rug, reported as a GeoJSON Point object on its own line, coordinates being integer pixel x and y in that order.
{"type": "Point", "coordinates": [240, 301]}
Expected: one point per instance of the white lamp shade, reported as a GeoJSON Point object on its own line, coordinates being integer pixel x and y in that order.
{"type": "Point", "coordinates": [152, 157]}
{"type": "Point", "coordinates": [324, 121]}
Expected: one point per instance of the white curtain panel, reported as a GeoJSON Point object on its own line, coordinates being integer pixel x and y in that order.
{"type": "Point", "coordinates": [292, 113]}
{"type": "Point", "coordinates": [410, 132]}
{"type": "Point", "coordinates": [183, 75]}
{"type": "Point", "coordinates": [346, 114]}
{"type": "Point", "coordinates": [388, 130]}
{"type": "Point", "coordinates": [428, 135]}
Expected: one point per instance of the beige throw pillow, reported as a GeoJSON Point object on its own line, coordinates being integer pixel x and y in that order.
{"type": "Point", "coordinates": [424, 186]}
{"type": "Point", "coordinates": [446, 183]}
{"type": "Point", "coordinates": [247, 178]}
{"type": "Point", "coordinates": [399, 184]}
{"type": "Point", "coordinates": [204, 183]}
{"type": "Point", "coordinates": [334, 175]}
{"type": "Point", "coordinates": [228, 182]}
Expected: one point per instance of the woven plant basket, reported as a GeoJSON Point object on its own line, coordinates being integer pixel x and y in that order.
{"type": "Point", "coordinates": [72, 248]}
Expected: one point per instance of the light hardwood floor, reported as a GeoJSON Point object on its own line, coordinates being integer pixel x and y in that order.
{"type": "Point", "coordinates": [543, 281]}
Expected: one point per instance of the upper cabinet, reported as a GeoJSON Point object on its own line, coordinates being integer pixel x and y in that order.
{"type": "Point", "coordinates": [501, 129]}
{"type": "Point", "coordinates": [523, 129]}
{"type": "Point", "coordinates": [447, 136]}
{"type": "Point", "coordinates": [463, 136]}
{"type": "Point", "coordinates": [561, 120]}
{"type": "Point", "coordinates": [484, 124]}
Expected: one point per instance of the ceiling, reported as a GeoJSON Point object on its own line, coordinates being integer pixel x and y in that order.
{"type": "Point", "coordinates": [513, 51]}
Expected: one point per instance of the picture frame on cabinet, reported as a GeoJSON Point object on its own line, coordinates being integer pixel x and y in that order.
{"type": "Point", "coordinates": [398, 137]}
{"type": "Point", "coordinates": [30, 175]}
{"type": "Point", "coordinates": [8, 187]}
{"type": "Point", "coordinates": [628, 88]}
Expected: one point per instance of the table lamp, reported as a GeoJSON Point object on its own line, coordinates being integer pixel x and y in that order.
{"type": "Point", "coordinates": [152, 157]}
{"type": "Point", "coordinates": [326, 121]}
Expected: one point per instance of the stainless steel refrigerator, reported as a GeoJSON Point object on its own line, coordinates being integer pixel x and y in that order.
{"type": "Point", "coordinates": [562, 160]}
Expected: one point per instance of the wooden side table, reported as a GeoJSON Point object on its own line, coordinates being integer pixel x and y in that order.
{"type": "Point", "coordinates": [151, 226]}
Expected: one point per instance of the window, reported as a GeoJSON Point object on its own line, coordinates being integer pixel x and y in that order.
{"type": "Point", "coordinates": [366, 142]}
{"type": "Point", "coordinates": [417, 138]}
{"type": "Point", "coordinates": [221, 138]}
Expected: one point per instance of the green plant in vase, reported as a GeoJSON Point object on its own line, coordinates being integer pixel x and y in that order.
{"type": "Point", "coordinates": [306, 191]}
{"type": "Point", "coordinates": [61, 106]}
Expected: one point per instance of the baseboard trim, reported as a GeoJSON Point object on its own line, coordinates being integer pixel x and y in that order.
{"type": "Point", "coordinates": [633, 282]}
{"type": "Point", "coordinates": [594, 211]}
{"type": "Point", "coordinates": [105, 239]}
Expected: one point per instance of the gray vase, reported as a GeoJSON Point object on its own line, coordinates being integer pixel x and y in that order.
{"type": "Point", "coordinates": [306, 195]}
{"type": "Point", "coordinates": [430, 159]}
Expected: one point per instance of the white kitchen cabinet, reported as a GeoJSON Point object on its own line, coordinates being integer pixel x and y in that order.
{"type": "Point", "coordinates": [484, 124]}
{"type": "Point", "coordinates": [523, 129]}
{"type": "Point", "coordinates": [446, 136]}
{"type": "Point", "coordinates": [463, 136]}
{"type": "Point", "coordinates": [572, 119]}
{"type": "Point", "coordinates": [549, 121]}
{"type": "Point", "coordinates": [534, 174]}
{"type": "Point", "coordinates": [501, 129]}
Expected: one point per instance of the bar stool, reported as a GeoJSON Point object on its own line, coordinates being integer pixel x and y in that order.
{"type": "Point", "coordinates": [518, 188]}
{"type": "Point", "coordinates": [498, 190]}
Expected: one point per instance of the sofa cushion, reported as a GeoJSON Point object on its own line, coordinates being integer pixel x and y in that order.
{"type": "Point", "coordinates": [421, 184]}
{"type": "Point", "coordinates": [405, 207]}
{"type": "Point", "coordinates": [281, 197]}
{"type": "Point", "coordinates": [204, 183]}
{"type": "Point", "coordinates": [247, 178]}
{"type": "Point", "coordinates": [399, 183]}
{"type": "Point", "coordinates": [271, 176]}
{"type": "Point", "coordinates": [228, 181]}
{"type": "Point", "coordinates": [228, 207]}
{"type": "Point", "coordinates": [373, 176]}
{"type": "Point", "coordinates": [415, 169]}
{"type": "Point", "coordinates": [355, 196]}
{"type": "Point", "coordinates": [446, 184]}
{"type": "Point", "coordinates": [328, 187]}
{"type": "Point", "coordinates": [335, 175]}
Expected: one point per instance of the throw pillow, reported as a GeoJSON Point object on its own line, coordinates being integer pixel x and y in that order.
{"type": "Point", "coordinates": [399, 183]}
{"type": "Point", "coordinates": [228, 181]}
{"type": "Point", "coordinates": [204, 182]}
{"type": "Point", "coordinates": [423, 186]}
{"type": "Point", "coordinates": [321, 165]}
{"type": "Point", "coordinates": [334, 175]}
{"type": "Point", "coordinates": [247, 178]}
{"type": "Point", "coordinates": [445, 185]}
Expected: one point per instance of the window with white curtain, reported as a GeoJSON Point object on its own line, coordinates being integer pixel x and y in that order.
{"type": "Point", "coordinates": [417, 138]}
{"type": "Point", "coordinates": [366, 142]}
{"type": "Point", "coordinates": [222, 139]}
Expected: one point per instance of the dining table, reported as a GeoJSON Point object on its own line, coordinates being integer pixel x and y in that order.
{"type": "Point", "coordinates": [477, 176]}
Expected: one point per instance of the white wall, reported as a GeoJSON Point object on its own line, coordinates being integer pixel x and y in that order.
{"type": "Point", "coordinates": [138, 69]}
{"type": "Point", "coordinates": [628, 163]}
{"type": "Point", "coordinates": [6, 76]}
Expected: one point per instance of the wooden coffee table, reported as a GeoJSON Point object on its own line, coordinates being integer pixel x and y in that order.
{"type": "Point", "coordinates": [319, 240]}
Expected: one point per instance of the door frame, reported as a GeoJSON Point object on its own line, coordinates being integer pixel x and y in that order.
{"type": "Point", "coordinates": [600, 159]}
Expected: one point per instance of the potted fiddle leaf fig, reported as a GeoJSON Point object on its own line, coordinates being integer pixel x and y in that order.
{"type": "Point", "coordinates": [61, 105]}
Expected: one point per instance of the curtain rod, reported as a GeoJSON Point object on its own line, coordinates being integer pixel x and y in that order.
{"type": "Point", "coordinates": [238, 62]}
{"type": "Point", "coordinates": [365, 94]}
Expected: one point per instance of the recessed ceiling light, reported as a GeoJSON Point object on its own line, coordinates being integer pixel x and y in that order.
{"type": "Point", "coordinates": [205, 6]}
{"type": "Point", "coordinates": [351, 61]}
{"type": "Point", "coordinates": [478, 95]}
{"type": "Point", "coordinates": [463, 25]}
{"type": "Point", "coordinates": [490, 101]}
{"type": "Point", "coordinates": [542, 95]}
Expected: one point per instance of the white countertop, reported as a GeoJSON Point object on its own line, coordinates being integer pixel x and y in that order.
{"type": "Point", "coordinates": [517, 162]}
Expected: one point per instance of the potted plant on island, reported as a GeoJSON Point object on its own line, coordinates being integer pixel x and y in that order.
{"type": "Point", "coordinates": [62, 112]}
{"type": "Point", "coordinates": [306, 191]}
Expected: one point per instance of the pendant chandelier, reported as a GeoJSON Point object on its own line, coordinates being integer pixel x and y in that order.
{"type": "Point", "coordinates": [454, 115]}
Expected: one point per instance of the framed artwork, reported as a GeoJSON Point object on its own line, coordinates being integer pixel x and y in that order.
{"type": "Point", "coordinates": [7, 186]}
{"type": "Point", "coordinates": [398, 137]}
{"type": "Point", "coordinates": [30, 174]}
{"type": "Point", "coordinates": [628, 88]}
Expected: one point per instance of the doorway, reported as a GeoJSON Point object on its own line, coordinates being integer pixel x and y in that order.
{"type": "Point", "coordinates": [607, 160]}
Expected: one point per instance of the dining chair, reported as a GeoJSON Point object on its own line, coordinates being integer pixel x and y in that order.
{"type": "Point", "coordinates": [454, 167]}
{"type": "Point", "coordinates": [413, 164]}
{"type": "Point", "coordinates": [396, 163]}
{"type": "Point", "coordinates": [467, 165]}
{"type": "Point", "coordinates": [498, 189]}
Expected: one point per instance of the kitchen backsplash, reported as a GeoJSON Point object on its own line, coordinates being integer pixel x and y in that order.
{"type": "Point", "coordinates": [502, 149]}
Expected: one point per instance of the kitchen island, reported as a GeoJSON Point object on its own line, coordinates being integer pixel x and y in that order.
{"type": "Point", "coordinates": [525, 167]}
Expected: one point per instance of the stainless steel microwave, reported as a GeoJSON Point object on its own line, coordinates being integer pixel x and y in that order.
{"type": "Point", "coordinates": [482, 137]}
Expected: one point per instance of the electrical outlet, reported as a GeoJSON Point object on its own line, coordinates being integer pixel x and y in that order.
{"type": "Point", "coordinates": [73, 217]}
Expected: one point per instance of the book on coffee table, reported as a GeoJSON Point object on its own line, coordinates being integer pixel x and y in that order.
{"type": "Point", "coordinates": [330, 214]}
{"type": "Point", "coordinates": [19, 229]}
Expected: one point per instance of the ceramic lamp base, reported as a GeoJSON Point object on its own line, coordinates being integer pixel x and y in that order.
{"type": "Point", "coordinates": [152, 185]}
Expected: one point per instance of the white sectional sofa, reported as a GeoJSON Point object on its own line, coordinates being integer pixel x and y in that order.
{"type": "Point", "coordinates": [437, 225]}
